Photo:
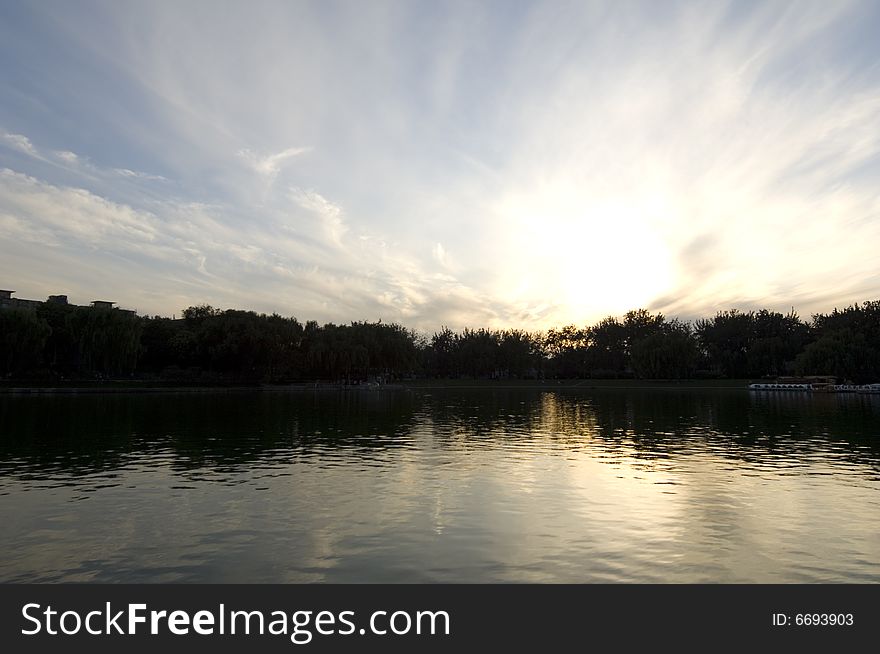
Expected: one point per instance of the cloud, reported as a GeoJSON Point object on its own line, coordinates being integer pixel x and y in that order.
{"type": "Point", "coordinates": [73, 162]}
{"type": "Point", "coordinates": [690, 170]}
{"type": "Point", "coordinates": [204, 258]}
{"type": "Point", "coordinates": [74, 214]}
{"type": "Point", "coordinates": [125, 172]}
{"type": "Point", "coordinates": [19, 143]}
{"type": "Point", "coordinates": [270, 165]}
{"type": "Point", "coordinates": [525, 165]}
{"type": "Point", "coordinates": [67, 156]}
{"type": "Point", "coordinates": [330, 214]}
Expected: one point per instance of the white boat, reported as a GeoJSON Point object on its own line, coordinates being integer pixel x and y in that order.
{"type": "Point", "coordinates": [780, 387]}
{"type": "Point", "coordinates": [818, 388]}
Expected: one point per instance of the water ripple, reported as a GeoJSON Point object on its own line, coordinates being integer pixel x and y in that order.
{"type": "Point", "coordinates": [443, 486]}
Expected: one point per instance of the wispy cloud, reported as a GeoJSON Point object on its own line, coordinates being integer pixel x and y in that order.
{"type": "Point", "coordinates": [270, 165]}
{"type": "Point", "coordinates": [203, 256]}
{"type": "Point", "coordinates": [67, 156]}
{"type": "Point", "coordinates": [125, 172]}
{"type": "Point", "coordinates": [18, 142]}
{"type": "Point", "coordinates": [526, 164]}
{"type": "Point", "coordinates": [329, 214]}
{"type": "Point", "coordinates": [21, 144]}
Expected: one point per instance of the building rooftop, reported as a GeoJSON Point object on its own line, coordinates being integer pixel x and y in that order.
{"type": "Point", "coordinates": [7, 301]}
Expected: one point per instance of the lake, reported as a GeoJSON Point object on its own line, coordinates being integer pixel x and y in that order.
{"type": "Point", "coordinates": [441, 485]}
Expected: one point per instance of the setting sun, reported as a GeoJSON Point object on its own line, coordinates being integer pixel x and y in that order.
{"type": "Point", "coordinates": [580, 258]}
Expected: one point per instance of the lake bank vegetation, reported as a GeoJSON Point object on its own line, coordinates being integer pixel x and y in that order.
{"type": "Point", "coordinates": [51, 343]}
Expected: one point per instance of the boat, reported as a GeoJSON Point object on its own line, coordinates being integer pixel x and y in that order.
{"type": "Point", "coordinates": [780, 387]}
{"type": "Point", "coordinates": [814, 385]}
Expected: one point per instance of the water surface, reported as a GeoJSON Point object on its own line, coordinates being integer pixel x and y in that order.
{"type": "Point", "coordinates": [523, 485]}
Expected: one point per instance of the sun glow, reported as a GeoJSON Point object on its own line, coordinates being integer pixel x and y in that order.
{"type": "Point", "coordinates": [578, 257]}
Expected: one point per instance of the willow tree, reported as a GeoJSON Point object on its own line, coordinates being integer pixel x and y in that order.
{"type": "Point", "coordinates": [109, 340]}
{"type": "Point", "coordinates": [23, 336]}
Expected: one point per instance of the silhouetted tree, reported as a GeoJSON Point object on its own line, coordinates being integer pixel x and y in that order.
{"type": "Point", "coordinates": [108, 340]}
{"type": "Point", "coordinates": [215, 345]}
{"type": "Point", "coordinates": [607, 351]}
{"type": "Point", "coordinates": [23, 335]}
{"type": "Point", "coordinates": [670, 352]}
{"type": "Point", "coordinates": [441, 356]}
{"type": "Point", "coordinates": [776, 341]}
{"type": "Point", "coordinates": [726, 339]}
{"type": "Point", "coordinates": [61, 351]}
{"type": "Point", "coordinates": [847, 344]}
{"type": "Point", "coordinates": [479, 352]}
{"type": "Point", "coordinates": [567, 349]}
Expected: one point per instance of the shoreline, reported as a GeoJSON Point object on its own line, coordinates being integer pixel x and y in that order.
{"type": "Point", "coordinates": [120, 387]}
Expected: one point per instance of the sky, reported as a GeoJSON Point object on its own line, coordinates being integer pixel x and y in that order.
{"type": "Point", "coordinates": [497, 164]}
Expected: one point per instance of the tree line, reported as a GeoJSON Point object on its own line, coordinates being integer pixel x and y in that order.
{"type": "Point", "coordinates": [208, 345]}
